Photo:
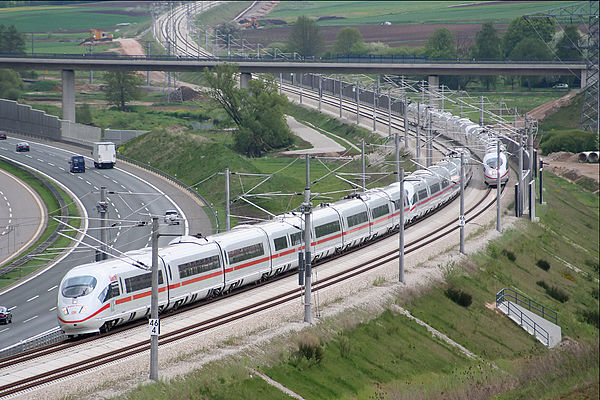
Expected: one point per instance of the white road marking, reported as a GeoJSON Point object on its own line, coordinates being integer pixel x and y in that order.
{"type": "Point", "coordinates": [123, 187]}
{"type": "Point", "coordinates": [12, 308]}
{"type": "Point", "coordinates": [33, 298]}
{"type": "Point", "coordinates": [52, 165]}
{"type": "Point", "coordinates": [61, 168]}
{"type": "Point", "coordinates": [39, 159]}
{"type": "Point", "coordinates": [52, 309]}
{"type": "Point", "coordinates": [4, 330]}
{"type": "Point", "coordinates": [30, 319]}
{"type": "Point", "coordinates": [52, 288]}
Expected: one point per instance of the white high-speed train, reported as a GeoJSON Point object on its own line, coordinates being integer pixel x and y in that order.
{"type": "Point", "coordinates": [101, 295]}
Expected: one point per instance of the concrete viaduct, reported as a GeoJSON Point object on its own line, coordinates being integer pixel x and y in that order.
{"type": "Point", "coordinates": [68, 64]}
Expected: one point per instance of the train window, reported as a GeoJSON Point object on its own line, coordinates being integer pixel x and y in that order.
{"type": "Point", "coordinates": [357, 219]}
{"type": "Point", "coordinates": [78, 286]}
{"type": "Point", "coordinates": [414, 199]}
{"type": "Point", "coordinates": [435, 188]}
{"type": "Point", "coordinates": [296, 238]}
{"type": "Point", "coordinates": [142, 281]}
{"type": "Point", "coordinates": [280, 243]}
{"type": "Point", "coordinates": [422, 194]}
{"type": "Point", "coordinates": [381, 210]}
{"type": "Point", "coordinates": [109, 292]}
{"type": "Point", "coordinates": [445, 183]}
{"type": "Point", "coordinates": [492, 162]}
{"type": "Point", "coordinates": [245, 253]}
{"type": "Point", "coordinates": [327, 229]}
{"type": "Point", "coordinates": [198, 266]}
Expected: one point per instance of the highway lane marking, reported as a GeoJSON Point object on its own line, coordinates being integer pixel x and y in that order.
{"type": "Point", "coordinates": [61, 168]}
{"type": "Point", "coordinates": [115, 182]}
{"type": "Point", "coordinates": [95, 187]}
{"type": "Point", "coordinates": [52, 309]}
{"type": "Point", "coordinates": [107, 177]}
{"type": "Point", "coordinates": [33, 298]}
{"type": "Point", "coordinates": [29, 157]}
{"type": "Point", "coordinates": [52, 288]}
{"type": "Point", "coordinates": [123, 187]}
{"type": "Point", "coordinates": [40, 160]}
{"type": "Point", "coordinates": [52, 165]}
{"type": "Point", "coordinates": [4, 330]}
{"type": "Point", "coordinates": [30, 319]}
{"type": "Point", "coordinates": [12, 308]}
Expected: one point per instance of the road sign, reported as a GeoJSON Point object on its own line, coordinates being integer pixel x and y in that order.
{"type": "Point", "coordinates": [154, 325]}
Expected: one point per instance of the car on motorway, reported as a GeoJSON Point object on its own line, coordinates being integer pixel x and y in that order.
{"type": "Point", "coordinates": [5, 316]}
{"type": "Point", "coordinates": [172, 217]}
{"type": "Point", "coordinates": [22, 146]}
{"type": "Point", "coordinates": [560, 86]}
{"type": "Point", "coordinates": [77, 164]}
{"type": "Point", "coordinates": [2, 135]}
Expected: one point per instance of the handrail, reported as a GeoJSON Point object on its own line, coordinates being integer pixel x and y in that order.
{"type": "Point", "coordinates": [176, 181]}
{"type": "Point", "coordinates": [366, 59]}
{"type": "Point", "coordinates": [531, 305]}
{"type": "Point", "coordinates": [528, 321]}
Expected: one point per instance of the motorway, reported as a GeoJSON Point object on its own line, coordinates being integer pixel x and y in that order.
{"type": "Point", "coordinates": [131, 204]}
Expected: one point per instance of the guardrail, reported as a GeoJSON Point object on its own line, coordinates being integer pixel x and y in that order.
{"type": "Point", "coordinates": [174, 180]}
{"type": "Point", "coordinates": [367, 59]}
{"type": "Point", "coordinates": [531, 305]}
{"type": "Point", "coordinates": [54, 336]}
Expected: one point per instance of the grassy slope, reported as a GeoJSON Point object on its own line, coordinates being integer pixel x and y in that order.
{"type": "Point", "coordinates": [392, 357]}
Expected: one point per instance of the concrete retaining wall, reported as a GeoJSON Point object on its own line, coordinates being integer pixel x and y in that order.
{"type": "Point", "coordinates": [23, 119]}
{"type": "Point", "coordinates": [120, 136]}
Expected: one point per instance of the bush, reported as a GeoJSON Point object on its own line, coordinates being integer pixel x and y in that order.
{"type": "Point", "coordinates": [459, 297]}
{"type": "Point", "coordinates": [343, 345]}
{"type": "Point", "coordinates": [84, 114]}
{"type": "Point", "coordinates": [557, 294]}
{"type": "Point", "coordinates": [310, 348]}
{"type": "Point", "coordinates": [575, 140]}
{"type": "Point", "coordinates": [591, 317]}
{"type": "Point", "coordinates": [44, 85]}
{"type": "Point", "coordinates": [543, 264]}
{"type": "Point", "coordinates": [509, 254]}
{"type": "Point", "coordinates": [542, 284]}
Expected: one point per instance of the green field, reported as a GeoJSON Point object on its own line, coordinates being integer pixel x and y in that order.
{"type": "Point", "coordinates": [408, 12]}
{"type": "Point", "coordinates": [78, 17]}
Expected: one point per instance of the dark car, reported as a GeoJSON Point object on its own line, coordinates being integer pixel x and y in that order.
{"type": "Point", "coordinates": [2, 135]}
{"type": "Point", "coordinates": [23, 146]}
{"type": "Point", "coordinates": [5, 316]}
{"type": "Point", "coordinates": [77, 164]}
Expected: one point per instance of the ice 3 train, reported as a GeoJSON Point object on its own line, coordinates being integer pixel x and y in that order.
{"type": "Point", "coordinates": [98, 296]}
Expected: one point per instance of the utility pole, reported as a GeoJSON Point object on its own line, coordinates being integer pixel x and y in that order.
{"type": "Point", "coordinates": [461, 218]}
{"type": "Point", "coordinates": [357, 103]}
{"type": "Point", "coordinates": [481, 113]}
{"type": "Point", "coordinates": [227, 211]}
{"type": "Point", "coordinates": [154, 322]}
{"type": "Point", "coordinates": [389, 98]}
{"type": "Point", "coordinates": [375, 92]}
{"type": "Point", "coordinates": [147, 55]}
{"type": "Point", "coordinates": [91, 51]}
{"type": "Point", "coordinates": [300, 85]}
{"type": "Point", "coordinates": [307, 244]}
{"type": "Point", "coordinates": [520, 172]}
{"type": "Point", "coordinates": [417, 138]}
{"type": "Point", "coordinates": [405, 120]}
{"type": "Point", "coordinates": [401, 226]}
{"type": "Point", "coordinates": [102, 208]}
{"type": "Point", "coordinates": [362, 145]}
{"type": "Point", "coordinates": [340, 97]}
{"type": "Point", "coordinates": [320, 91]}
{"type": "Point", "coordinates": [498, 184]}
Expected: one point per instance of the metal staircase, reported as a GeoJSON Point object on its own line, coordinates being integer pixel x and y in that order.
{"type": "Point", "coordinates": [533, 317]}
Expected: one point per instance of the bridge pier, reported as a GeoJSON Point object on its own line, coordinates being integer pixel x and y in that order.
{"type": "Point", "coordinates": [583, 79]}
{"type": "Point", "coordinates": [433, 83]}
{"type": "Point", "coordinates": [68, 94]}
{"type": "Point", "coordinates": [245, 78]}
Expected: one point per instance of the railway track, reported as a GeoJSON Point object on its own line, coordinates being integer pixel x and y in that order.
{"type": "Point", "coordinates": [62, 350]}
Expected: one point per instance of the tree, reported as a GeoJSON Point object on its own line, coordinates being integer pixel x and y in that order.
{"type": "Point", "coordinates": [258, 112]}
{"type": "Point", "coordinates": [349, 41]}
{"type": "Point", "coordinates": [305, 37]}
{"type": "Point", "coordinates": [567, 47]}
{"type": "Point", "coordinates": [521, 28]}
{"type": "Point", "coordinates": [11, 41]}
{"type": "Point", "coordinates": [122, 87]}
{"type": "Point", "coordinates": [11, 85]}
{"type": "Point", "coordinates": [531, 49]}
{"type": "Point", "coordinates": [441, 45]}
{"type": "Point", "coordinates": [487, 46]}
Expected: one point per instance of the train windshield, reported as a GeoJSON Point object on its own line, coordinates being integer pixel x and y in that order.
{"type": "Point", "coordinates": [492, 162]}
{"type": "Point", "coordinates": [78, 286]}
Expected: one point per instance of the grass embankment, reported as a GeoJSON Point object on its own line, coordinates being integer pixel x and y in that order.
{"type": "Point", "coordinates": [52, 206]}
{"type": "Point", "coordinates": [357, 356]}
{"type": "Point", "coordinates": [197, 157]}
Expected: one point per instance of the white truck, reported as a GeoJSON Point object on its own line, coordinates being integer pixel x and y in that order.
{"type": "Point", "coordinates": [104, 155]}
